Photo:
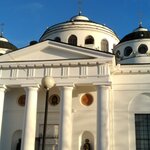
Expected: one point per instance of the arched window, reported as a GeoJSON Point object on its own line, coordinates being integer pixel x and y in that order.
{"type": "Point", "coordinates": [89, 40]}
{"type": "Point", "coordinates": [57, 39]}
{"type": "Point", "coordinates": [104, 45]}
{"type": "Point", "coordinates": [72, 40]}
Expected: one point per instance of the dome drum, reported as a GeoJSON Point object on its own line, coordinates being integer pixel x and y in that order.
{"type": "Point", "coordinates": [131, 50]}
{"type": "Point", "coordinates": [81, 28]}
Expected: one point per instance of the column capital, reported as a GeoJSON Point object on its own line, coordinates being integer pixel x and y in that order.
{"type": "Point", "coordinates": [3, 87]}
{"type": "Point", "coordinates": [100, 84]}
{"type": "Point", "coordinates": [65, 85]}
{"type": "Point", "coordinates": [30, 86]}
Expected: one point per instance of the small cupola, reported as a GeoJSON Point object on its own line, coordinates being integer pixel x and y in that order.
{"type": "Point", "coordinates": [134, 48]}
{"type": "Point", "coordinates": [5, 45]}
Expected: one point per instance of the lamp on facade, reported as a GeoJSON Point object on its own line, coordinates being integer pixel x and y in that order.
{"type": "Point", "coordinates": [47, 82]}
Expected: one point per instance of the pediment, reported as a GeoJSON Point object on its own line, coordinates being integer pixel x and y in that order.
{"type": "Point", "coordinates": [51, 50]}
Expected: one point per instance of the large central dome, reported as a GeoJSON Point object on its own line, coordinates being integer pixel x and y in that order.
{"type": "Point", "coordinates": [81, 31]}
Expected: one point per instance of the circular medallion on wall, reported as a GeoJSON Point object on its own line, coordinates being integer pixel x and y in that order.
{"type": "Point", "coordinates": [87, 99]}
{"type": "Point", "coordinates": [21, 100]}
{"type": "Point", "coordinates": [54, 100]}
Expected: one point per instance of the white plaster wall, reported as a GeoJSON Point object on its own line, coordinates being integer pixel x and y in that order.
{"type": "Point", "coordinates": [130, 95]}
{"type": "Point", "coordinates": [12, 117]}
{"type": "Point", "coordinates": [84, 117]}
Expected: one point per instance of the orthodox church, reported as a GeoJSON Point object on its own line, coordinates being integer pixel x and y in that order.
{"type": "Point", "coordinates": [79, 87]}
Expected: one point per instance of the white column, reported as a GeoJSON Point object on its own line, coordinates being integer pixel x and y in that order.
{"type": "Point", "coordinates": [2, 95]}
{"type": "Point", "coordinates": [65, 126]}
{"type": "Point", "coordinates": [29, 129]}
{"type": "Point", "coordinates": [103, 96]}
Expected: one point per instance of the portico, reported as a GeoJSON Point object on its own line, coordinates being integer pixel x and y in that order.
{"type": "Point", "coordinates": [73, 78]}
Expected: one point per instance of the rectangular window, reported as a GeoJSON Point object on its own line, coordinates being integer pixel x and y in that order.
{"type": "Point", "coordinates": [142, 128]}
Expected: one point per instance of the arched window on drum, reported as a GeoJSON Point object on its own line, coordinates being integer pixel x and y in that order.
{"type": "Point", "coordinates": [89, 40]}
{"type": "Point", "coordinates": [57, 39]}
{"type": "Point", "coordinates": [104, 45]}
{"type": "Point", "coordinates": [72, 40]}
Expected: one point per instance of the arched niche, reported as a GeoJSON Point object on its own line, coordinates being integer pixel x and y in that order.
{"type": "Point", "coordinates": [104, 45]}
{"type": "Point", "coordinates": [140, 103]}
{"type": "Point", "coordinates": [15, 139]}
{"type": "Point", "coordinates": [86, 135]}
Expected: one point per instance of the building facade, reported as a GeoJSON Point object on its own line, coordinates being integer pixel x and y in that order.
{"type": "Point", "coordinates": [100, 99]}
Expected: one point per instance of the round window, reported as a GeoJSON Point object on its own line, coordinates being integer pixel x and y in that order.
{"type": "Point", "coordinates": [143, 49]}
{"type": "Point", "coordinates": [54, 100]}
{"type": "Point", "coordinates": [127, 51]}
{"type": "Point", "coordinates": [21, 100]}
{"type": "Point", "coordinates": [87, 99]}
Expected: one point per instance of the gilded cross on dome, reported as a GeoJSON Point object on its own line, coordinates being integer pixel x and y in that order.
{"type": "Point", "coordinates": [1, 29]}
{"type": "Point", "coordinates": [79, 7]}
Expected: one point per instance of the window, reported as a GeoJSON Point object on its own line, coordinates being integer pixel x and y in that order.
{"type": "Point", "coordinates": [104, 45]}
{"type": "Point", "coordinates": [57, 39]}
{"type": "Point", "coordinates": [127, 51]}
{"type": "Point", "coordinates": [142, 127]}
{"type": "Point", "coordinates": [72, 40]}
{"type": "Point", "coordinates": [143, 49]}
{"type": "Point", "coordinates": [89, 40]}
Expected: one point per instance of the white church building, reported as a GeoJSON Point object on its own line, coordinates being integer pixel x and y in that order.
{"type": "Point", "coordinates": [99, 97]}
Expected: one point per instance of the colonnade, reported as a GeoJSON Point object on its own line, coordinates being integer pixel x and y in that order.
{"type": "Point", "coordinates": [65, 127]}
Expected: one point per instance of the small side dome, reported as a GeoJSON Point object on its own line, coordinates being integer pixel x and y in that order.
{"type": "Point", "coordinates": [6, 46]}
{"type": "Point", "coordinates": [140, 28]}
{"type": "Point", "coordinates": [138, 33]}
{"type": "Point", "coordinates": [134, 48]}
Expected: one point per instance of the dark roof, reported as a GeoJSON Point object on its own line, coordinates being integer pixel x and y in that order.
{"type": "Point", "coordinates": [7, 45]}
{"type": "Point", "coordinates": [136, 35]}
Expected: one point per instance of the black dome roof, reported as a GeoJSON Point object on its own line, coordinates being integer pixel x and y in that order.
{"type": "Point", "coordinates": [4, 43]}
{"type": "Point", "coordinates": [139, 33]}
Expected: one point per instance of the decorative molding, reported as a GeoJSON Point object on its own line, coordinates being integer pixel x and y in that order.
{"type": "Point", "coordinates": [14, 73]}
{"type": "Point", "coordinates": [47, 71]}
{"type": "Point", "coordinates": [67, 70]}
{"type": "Point", "coordinates": [30, 72]}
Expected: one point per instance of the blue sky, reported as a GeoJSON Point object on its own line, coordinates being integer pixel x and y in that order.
{"type": "Point", "coordinates": [25, 21]}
